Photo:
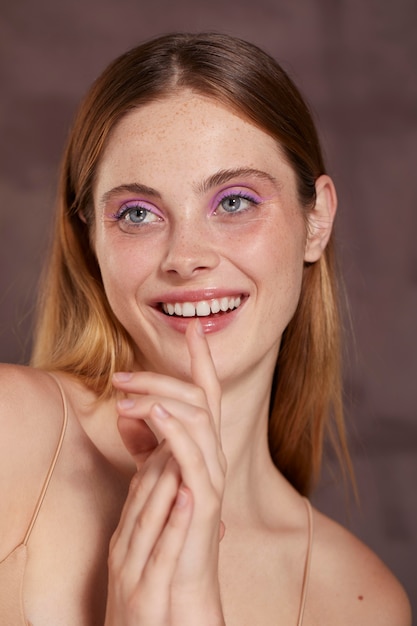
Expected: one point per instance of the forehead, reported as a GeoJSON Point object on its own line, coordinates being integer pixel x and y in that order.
{"type": "Point", "coordinates": [187, 134]}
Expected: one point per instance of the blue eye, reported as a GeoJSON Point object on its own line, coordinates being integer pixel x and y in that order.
{"type": "Point", "coordinates": [136, 215]}
{"type": "Point", "coordinates": [236, 203]}
{"type": "Point", "coordinates": [132, 216]}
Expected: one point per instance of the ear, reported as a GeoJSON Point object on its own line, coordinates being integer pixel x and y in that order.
{"type": "Point", "coordinates": [320, 219]}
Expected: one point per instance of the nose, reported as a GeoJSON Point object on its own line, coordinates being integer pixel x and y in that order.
{"type": "Point", "coordinates": [191, 250]}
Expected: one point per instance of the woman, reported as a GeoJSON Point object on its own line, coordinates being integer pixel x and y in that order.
{"type": "Point", "coordinates": [186, 364]}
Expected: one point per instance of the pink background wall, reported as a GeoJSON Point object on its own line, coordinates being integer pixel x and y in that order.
{"type": "Point", "coordinates": [356, 62]}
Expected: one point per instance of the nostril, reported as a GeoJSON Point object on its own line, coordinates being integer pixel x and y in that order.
{"type": "Point", "coordinates": [188, 263]}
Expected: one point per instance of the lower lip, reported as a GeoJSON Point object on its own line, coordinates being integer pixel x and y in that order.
{"type": "Point", "coordinates": [209, 323]}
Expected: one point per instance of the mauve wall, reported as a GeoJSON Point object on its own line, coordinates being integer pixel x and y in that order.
{"type": "Point", "coordinates": [356, 63]}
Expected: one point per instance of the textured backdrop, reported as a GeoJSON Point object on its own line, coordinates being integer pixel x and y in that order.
{"type": "Point", "coordinates": [356, 62]}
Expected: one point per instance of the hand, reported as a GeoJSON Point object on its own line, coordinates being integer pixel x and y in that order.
{"type": "Point", "coordinates": [164, 554]}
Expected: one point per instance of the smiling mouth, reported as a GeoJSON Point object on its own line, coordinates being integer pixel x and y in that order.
{"type": "Point", "coordinates": [201, 308]}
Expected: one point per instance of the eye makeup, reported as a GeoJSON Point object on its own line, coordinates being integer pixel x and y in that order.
{"type": "Point", "coordinates": [134, 214]}
{"type": "Point", "coordinates": [238, 192]}
{"type": "Point", "coordinates": [138, 205]}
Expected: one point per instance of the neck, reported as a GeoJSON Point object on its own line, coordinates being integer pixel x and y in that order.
{"type": "Point", "coordinates": [251, 474]}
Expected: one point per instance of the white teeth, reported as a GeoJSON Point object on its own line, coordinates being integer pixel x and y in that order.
{"type": "Point", "coordinates": [203, 308]}
{"type": "Point", "coordinates": [215, 306]}
{"type": "Point", "coordinates": [224, 304]}
{"type": "Point", "coordinates": [188, 309]}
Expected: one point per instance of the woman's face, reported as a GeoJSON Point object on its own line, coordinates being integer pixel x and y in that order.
{"type": "Point", "coordinates": [197, 213]}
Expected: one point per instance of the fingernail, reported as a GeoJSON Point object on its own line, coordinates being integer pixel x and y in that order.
{"type": "Point", "coordinates": [125, 403]}
{"type": "Point", "coordinates": [159, 412]}
{"type": "Point", "coordinates": [122, 377]}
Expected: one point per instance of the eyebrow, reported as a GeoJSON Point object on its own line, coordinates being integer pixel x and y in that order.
{"type": "Point", "coordinates": [136, 188]}
{"type": "Point", "coordinates": [219, 178]}
{"type": "Point", "coordinates": [225, 176]}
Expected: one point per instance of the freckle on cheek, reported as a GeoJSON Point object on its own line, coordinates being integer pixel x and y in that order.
{"type": "Point", "coordinates": [360, 597]}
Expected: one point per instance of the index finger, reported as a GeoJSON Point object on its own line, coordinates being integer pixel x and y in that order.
{"type": "Point", "coordinates": [203, 371]}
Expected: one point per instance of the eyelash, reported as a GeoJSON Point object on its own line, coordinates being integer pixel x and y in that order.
{"type": "Point", "coordinates": [125, 210]}
{"type": "Point", "coordinates": [235, 194]}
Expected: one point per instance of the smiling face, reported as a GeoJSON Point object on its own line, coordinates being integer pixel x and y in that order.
{"type": "Point", "coordinates": [197, 214]}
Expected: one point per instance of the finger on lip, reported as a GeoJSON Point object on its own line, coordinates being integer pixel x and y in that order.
{"type": "Point", "coordinates": [203, 369]}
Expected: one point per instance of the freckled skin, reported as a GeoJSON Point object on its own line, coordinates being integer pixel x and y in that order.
{"type": "Point", "coordinates": [173, 146]}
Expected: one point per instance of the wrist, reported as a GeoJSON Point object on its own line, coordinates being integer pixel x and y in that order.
{"type": "Point", "coordinates": [204, 609]}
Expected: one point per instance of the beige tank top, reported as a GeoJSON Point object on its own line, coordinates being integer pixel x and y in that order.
{"type": "Point", "coordinates": [12, 568]}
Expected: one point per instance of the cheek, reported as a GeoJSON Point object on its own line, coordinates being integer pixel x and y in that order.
{"type": "Point", "coordinates": [123, 268]}
{"type": "Point", "coordinates": [276, 263]}
{"type": "Point", "coordinates": [275, 251]}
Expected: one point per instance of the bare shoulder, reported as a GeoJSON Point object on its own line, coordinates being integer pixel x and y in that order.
{"type": "Point", "coordinates": [30, 423]}
{"type": "Point", "coordinates": [350, 584]}
{"type": "Point", "coordinates": [25, 392]}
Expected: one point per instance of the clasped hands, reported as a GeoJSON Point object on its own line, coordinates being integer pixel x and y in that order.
{"type": "Point", "coordinates": [163, 557]}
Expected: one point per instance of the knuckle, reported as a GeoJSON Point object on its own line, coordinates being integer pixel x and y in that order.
{"type": "Point", "coordinates": [137, 487]}
{"type": "Point", "coordinates": [142, 521]}
{"type": "Point", "coordinates": [157, 558]}
{"type": "Point", "coordinates": [134, 606]}
{"type": "Point", "coordinates": [200, 414]}
{"type": "Point", "coordinates": [135, 483]}
{"type": "Point", "coordinates": [195, 396]}
{"type": "Point", "coordinates": [212, 502]}
{"type": "Point", "coordinates": [201, 396]}
{"type": "Point", "coordinates": [196, 460]}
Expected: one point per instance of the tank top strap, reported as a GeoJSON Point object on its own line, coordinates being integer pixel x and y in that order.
{"type": "Point", "coordinates": [307, 565]}
{"type": "Point", "coordinates": [53, 462]}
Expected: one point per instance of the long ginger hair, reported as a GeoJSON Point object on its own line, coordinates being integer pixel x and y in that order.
{"type": "Point", "coordinates": [76, 329]}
